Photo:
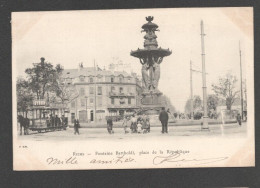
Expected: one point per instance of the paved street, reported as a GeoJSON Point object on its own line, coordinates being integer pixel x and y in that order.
{"type": "Point", "coordinates": [229, 130]}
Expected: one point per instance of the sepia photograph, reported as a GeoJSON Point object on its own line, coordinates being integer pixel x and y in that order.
{"type": "Point", "coordinates": [134, 88]}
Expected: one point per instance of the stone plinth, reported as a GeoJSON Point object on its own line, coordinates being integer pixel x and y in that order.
{"type": "Point", "coordinates": [151, 98]}
{"type": "Point", "coordinates": [151, 103]}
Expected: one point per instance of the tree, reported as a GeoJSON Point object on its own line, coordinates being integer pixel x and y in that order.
{"type": "Point", "coordinates": [225, 89]}
{"type": "Point", "coordinates": [64, 92]}
{"type": "Point", "coordinates": [197, 104]}
{"type": "Point", "coordinates": [24, 95]}
{"type": "Point", "coordinates": [42, 76]}
{"type": "Point", "coordinates": [212, 102]}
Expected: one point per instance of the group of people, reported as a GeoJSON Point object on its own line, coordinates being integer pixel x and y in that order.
{"type": "Point", "coordinates": [56, 121]}
{"type": "Point", "coordinates": [139, 124]}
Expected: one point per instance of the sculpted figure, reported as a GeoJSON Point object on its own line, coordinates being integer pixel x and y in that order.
{"type": "Point", "coordinates": [156, 75]}
{"type": "Point", "coordinates": [150, 39]}
{"type": "Point", "coordinates": [156, 72]}
{"type": "Point", "coordinates": [145, 76]}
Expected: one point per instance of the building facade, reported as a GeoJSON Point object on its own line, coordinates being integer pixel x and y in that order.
{"type": "Point", "coordinates": [102, 93]}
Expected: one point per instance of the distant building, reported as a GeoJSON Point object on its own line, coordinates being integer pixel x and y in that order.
{"type": "Point", "coordinates": [102, 93]}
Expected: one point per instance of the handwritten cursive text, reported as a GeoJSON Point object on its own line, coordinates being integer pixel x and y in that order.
{"type": "Point", "coordinates": [176, 158]}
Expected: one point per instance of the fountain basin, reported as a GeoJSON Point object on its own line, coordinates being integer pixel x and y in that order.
{"type": "Point", "coordinates": [143, 53]}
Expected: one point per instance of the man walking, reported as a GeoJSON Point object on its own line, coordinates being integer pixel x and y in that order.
{"type": "Point", "coordinates": [133, 124]}
{"type": "Point", "coordinates": [110, 125]}
{"type": "Point", "coordinates": [76, 126]}
{"type": "Point", "coordinates": [239, 119]}
{"type": "Point", "coordinates": [163, 117]}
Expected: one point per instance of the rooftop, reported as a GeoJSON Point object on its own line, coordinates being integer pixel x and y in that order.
{"type": "Point", "coordinates": [90, 71]}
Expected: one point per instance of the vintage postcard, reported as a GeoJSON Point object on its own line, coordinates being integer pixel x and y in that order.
{"type": "Point", "coordinates": [128, 89]}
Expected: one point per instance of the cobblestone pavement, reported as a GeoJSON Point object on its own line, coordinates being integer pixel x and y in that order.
{"type": "Point", "coordinates": [228, 130]}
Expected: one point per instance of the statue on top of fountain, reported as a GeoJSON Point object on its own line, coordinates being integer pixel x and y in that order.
{"type": "Point", "coordinates": [150, 37]}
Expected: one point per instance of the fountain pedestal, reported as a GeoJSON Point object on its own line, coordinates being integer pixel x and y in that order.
{"type": "Point", "coordinates": [151, 98]}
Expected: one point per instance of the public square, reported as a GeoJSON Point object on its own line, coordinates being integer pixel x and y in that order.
{"type": "Point", "coordinates": [229, 130]}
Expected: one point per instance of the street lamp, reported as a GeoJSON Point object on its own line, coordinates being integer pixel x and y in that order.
{"type": "Point", "coordinates": [205, 125]}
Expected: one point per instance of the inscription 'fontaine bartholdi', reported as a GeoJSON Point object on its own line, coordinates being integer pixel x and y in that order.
{"type": "Point", "coordinates": [150, 57]}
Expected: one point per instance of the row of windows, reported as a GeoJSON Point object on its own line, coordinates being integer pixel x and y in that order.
{"type": "Point", "coordinates": [121, 101]}
{"type": "Point", "coordinates": [91, 91]}
{"type": "Point", "coordinates": [121, 89]}
{"type": "Point", "coordinates": [112, 79]}
{"type": "Point", "coordinates": [99, 90]}
{"type": "Point", "coordinates": [91, 101]}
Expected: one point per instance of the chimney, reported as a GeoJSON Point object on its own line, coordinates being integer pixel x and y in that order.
{"type": "Point", "coordinates": [80, 66]}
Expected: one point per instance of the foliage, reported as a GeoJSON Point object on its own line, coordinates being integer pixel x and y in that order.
{"type": "Point", "coordinates": [197, 104]}
{"type": "Point", "coordinates": [226, 89]}
{"type": "Point", "coordinates": [42, 76]}
{"type": "Point", "coordinates": [198, 115]}
{"type": "Point", "coordinates": [212, 102]}
{"type": "Point", "coordinates": [64, 92]}
{"type": "Point", "coordinates": [24, 95]}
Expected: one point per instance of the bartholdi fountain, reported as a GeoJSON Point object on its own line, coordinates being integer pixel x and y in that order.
{"type": "Point", "coordinates": [150, 57]}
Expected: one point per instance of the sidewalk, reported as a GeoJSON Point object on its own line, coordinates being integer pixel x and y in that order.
{"type": "Point", "coordinates": [177, 123]}
{"type": "Point", "coordinates": [174, 132]}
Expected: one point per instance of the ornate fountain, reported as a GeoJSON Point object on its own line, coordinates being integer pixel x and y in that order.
{"type": "Point", "coordinates": [150, 57]}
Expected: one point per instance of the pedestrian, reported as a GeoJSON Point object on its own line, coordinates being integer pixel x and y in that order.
{"type": "Point", "coordinates": [125, 124]}
{"type": "Point", "coordinates": [27, 124]}
{"type": "Point", "coordinates": [21, 121]}
{"type": "Point", "coordinates": [110, 125]}
{"type": "Point", "coordinates": [146, 125]}
{"type": "Point", "coordinates": [52, 120]}
{"type": "Point", "coordinates": [59, 121]}
{"type": "Point", "coordinates": [48, 121]}
{"type": "Point", "coordinates": [239, 119]}
{"type": "Point", "coordinates": [139, 118]}
{"type": "Point", "coordinates": [63, 120]}
{"type": "Point", "coordinates": [133, 124]}
{"type": "Point", "coordinates": [76, 126]}
{"type": "Point", "coordinates": [163, 117]}
{"type": "Point", "coordinates": [56, 121]}
{"type": "Point", "coordinates": [139, 127]}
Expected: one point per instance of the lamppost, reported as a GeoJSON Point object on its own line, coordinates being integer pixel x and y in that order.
{"type": "Point", "coordinates": [205, 125]}
{"type": "Point", "coordinates": [86, 107]}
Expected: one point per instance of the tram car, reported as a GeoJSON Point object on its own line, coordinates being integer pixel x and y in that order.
{"type": "Point", "coordinates": [45, 118]}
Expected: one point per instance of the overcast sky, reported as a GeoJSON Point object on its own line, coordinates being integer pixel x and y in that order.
{"type": "Point", "coordinates": [71, 37]}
